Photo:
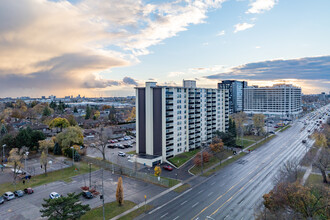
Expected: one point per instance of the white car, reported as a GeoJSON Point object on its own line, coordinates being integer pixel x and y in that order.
{"type": "Point", "coordinates": [9, 196]}
{"type": "Point", "coordinates": [127, 138]}
{"type": "Point", "coordinates": [54, 195]}
{"type": "Point", "coordinates": [122, 154]}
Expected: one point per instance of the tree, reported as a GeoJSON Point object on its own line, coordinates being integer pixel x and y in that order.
{"type": "Point", "coordinates": [46, 111]}
{"type": "Point", "coordinates": [72, 135]}
{"type": "Point", "coordinates": [59, 123]}
{"type": "Point", "coordinates": [29, 138]}
{"type": "Point", "coordinates": [15, 158]}
{"type": "Point", "coordinates": [113, 115]}
{"type": "Point", "coordinates": [53, 105]}
{"type": "Point", "coordinates": [76, 156]}
{"type": "Point", "coordinates": [44, 146]}
{"type": "Point", "coordinates": [8, 140]}
{"type": "Point", "coordinates": [75, 110]}
{"type": "Point", "coordinates": [132, 115]}
{"type": "Point", "coordinates": [120, 192]}
{"type": "Point", "coordinates": [102, 141]}
{"type": "Point", "coordinates": [44, 161]}
{"type": "Point", "coordinates": [227, 138]}
{"type": "Point", "coordinates": [96, 115]}
{"type": "Point", "coordinates": [198, 158]}
{"type": "Point", "coordinates": [239, 119]}
{"type": "Point", "coordinates": [217, 147]}
{"type": "Point", "coordinates": [259, 122]}
{"type": "Point", "coordinates": [57, 149]}
{"type": "Point", "coordinates": [3, 130]}
{"type": "Point", "coordinates": [64, 208]}
{"type": "Point", "coordinates": [71, 119]}
{"type": "Point", "coordinates": [157, 170]}
{"type": "Point", "coordinates": [88, 112]}
{"type": "Point", "coordinates": [288, 172]}
{"type": "Point", "coordinates": [232, 128]}
{"type": "Point", "coordinates": [323, 163]}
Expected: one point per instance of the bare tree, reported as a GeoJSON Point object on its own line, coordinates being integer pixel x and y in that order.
{"type": "Point", "coordinates": [16, 157]}
{"type": "Point", "coordinates": [323, 163]}
{"type": "Point", "coordinates": [288, 172]}
{"type": "Point", "coordinates": [102, 141]}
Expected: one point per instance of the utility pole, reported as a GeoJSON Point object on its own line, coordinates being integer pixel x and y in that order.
{"type": "Point", "coordinates": [90, 175]}
{"type": "Point", "coordinates": [103, 195]}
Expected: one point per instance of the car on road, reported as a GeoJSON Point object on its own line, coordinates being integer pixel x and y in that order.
{"type": "Point", "coordinates": [28, 191]}
{"type": "Point", "coordinates": [2, 200]}
{"type": "Point", "coordinates": [121, 154]}
{"type": "Point", "coordinates": [9, 196]}
{"type": "Point", "coordinates": [87, 195]}
{"type": "Point", "coordinates": [308, 130]}
{"type": "Point", "coordinates": [19, 193]}
{"type": "Point", "coordinates": [54, 195]}
{"type": "Point", "coordinates": [303, 141]}
{"type": "Point", "coordinates": [168, 167]}
{"type": "Point", "coordinates": [272, 132]}
{"type": "Point", "coordinates": [275, 126]}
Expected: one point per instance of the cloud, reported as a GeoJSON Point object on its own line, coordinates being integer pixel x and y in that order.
{"type": "Point", "coordinates": [221, 33]}
{"type": "Point", "coordinates": [258, 47]}
{"type": "Point", "coordinates": [242, 27]}
{"type": "Point", "coordinates": [130, 81]}
{"type": "Point", "coordinates": [308, 68]}
{"type": "Point", "coordinates": [175, 74]}
{"type": "Point", "coordinates": [71, 42]}
{"type": "Point", "coordinates": [260, 6]}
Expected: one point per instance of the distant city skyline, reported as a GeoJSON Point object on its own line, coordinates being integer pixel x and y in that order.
{"type": "Point", "coordinates": [99, 48]}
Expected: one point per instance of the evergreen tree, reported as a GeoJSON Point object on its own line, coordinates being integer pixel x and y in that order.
{"type": "Point", "coordinates": [3, 130]}
{"type": "Point", "coordinates": [88, 112]}
{"type": "Point", "coordinates": [77, 156]}
{"type": "Point", "coordinates": [64, 208]}
{"type": "Point", "coordinates": [53, 105]}
{"type": "Point", "coordinates": [75, 110]}
{"type": "Point", "coordinates": [57, 149]}
{"type": "Point", "coordinates": [46, 111]}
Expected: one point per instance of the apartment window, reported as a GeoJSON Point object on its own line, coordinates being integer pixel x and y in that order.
{"type": "Point", "coordinates": [178, 107]}
{"type": "Point", "coordinates": [179, 112]}
{"type": "Point", "coordinates": [179, 117]}
{"type": "Point", "coordinates": [179, 123]}
{"type": "Point", "coordinates": [179, 128]}
{"type": "Point", "coordinates": [178, 90]}
{"type": "Point", "coordinates": [179, 96]}
{"type": "Point", "coordinates": [179, 101]}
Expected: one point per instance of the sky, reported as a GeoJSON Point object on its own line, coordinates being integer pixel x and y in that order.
{"type": "Point", "coordinates": [107, 47]}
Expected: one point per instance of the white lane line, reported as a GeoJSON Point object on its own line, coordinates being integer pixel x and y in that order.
{"type": "Point", "coordinates": [164, 215]}
{"type": "Point", "coordinates": [194, 204]}
{"type": "Point", "coordinates": [212, 183]}
{"type": "Point", "coordinates": [183, 202]}
{"type": "Point", "coordinates": [210, 193]}
{"type": "Point", "coordinates": [176, 218]}
{"type": "Point", "coordinates": [200, 191]}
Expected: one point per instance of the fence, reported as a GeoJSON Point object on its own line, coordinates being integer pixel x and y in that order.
{"type": "Point", "coordinates": [127, 171]}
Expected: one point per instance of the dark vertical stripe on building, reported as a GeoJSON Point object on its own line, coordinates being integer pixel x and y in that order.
{"type": "Point", "coordinates": [157, 120]}
{"type": "Point", "coordinates": [142, 119]}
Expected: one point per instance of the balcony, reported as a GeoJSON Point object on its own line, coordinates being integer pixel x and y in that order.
{"type": "Point", "coordinates": [169, 125]}
{"type": "Point", "coordinates": [169, 96]}
{"type": "Point", "coordinates": [169, 108]}
{"type": "Point", "coordinates": [169, 137]}
{"type": "Point", "coordinates": [169, 120]}
{"type": "Point", "coordinates": [169, 102]}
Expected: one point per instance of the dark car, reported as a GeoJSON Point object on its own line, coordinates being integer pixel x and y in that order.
{"type": "Point", "coordinates": [112, 146]}
{"type": "Point", "coordinates": [127, 145]}
{"type": "Point", "coordinates": [2, 200]}
{"type": "Point", "coordinates": [303, 141]}
{"type": "Point", "coordinates": [19, 193]}
{"type": "Point", "coordinates": [87, 195]}
{"type": "Point", "coordinates": [272, 132]}
{"type": "Point", "coordinates": [168, 167]}
{"type": "Point", "coordinates": [28, 191]}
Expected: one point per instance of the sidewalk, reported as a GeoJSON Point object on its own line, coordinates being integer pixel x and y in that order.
{"type": "Point", "coordinates": [309, 169]}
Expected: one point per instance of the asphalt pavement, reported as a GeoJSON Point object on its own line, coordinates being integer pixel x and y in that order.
{"type": "Point", "coordinates": [236, 190]}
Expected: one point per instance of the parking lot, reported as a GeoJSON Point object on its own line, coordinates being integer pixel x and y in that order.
{"type": "Point", "coordinates": [28, 206]}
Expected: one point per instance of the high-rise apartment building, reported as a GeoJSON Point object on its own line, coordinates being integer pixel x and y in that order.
{"type": "Point", "coordinates": [236, 94]}
{"type": "Point", "coordinates": [282, 100]}
{"type": "Point", "coordinates": [172, 120]}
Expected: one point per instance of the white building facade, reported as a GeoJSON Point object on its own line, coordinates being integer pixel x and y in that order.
{"type": "Point", "coordinates": [173, 120]}
{"type": "Point", "coordinates": [281, 100]}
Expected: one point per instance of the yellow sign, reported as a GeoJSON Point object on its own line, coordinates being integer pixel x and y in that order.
{"type": "Point", "coordinates": [145, 196]}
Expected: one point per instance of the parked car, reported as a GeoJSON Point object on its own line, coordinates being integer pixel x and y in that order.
{"type": "Point", "coordinates": [19, 193]}
{"type": "Point", "coordinates": [54, 195]}
{"type": "Point", "coordinates": [121, 154]}
{"type": "Point", "coordinates": [121, 139]}
{"type": "Point", "coordinates": [127, 138]}
{"type": "Point", "coordinates": [275, 126]}
{"type": "Point", "coordinates": [120, 146]}
{"type": "Point", "coordinates": [9, 196]}
{"type": "Point", "coordinates": [112, 146]}
{"type": "Point", "coordinates": [272, 132]}
{"type": "Point", "coordinates": [87, 195]}
{"type": "Point", "coordinates": [2, 200]}
{"type": "Point", "coordinates": [28, 191]}
{"type": "Point", "coordinates": [303, 141]}
{"type": "Point", "coordinates": [112, 141]}
{"type": "Point", "coordinates": [168, 167]}
{"type": "Point", "coordinates": [128, 145]}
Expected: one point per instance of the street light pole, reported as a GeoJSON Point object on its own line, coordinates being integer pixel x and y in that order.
{"type": "Point", "coordinates": [103, 196]}
{"type": "Point", "coordinates": [3, 153]}
{"type": "Point", "coordinates": [72, 155]}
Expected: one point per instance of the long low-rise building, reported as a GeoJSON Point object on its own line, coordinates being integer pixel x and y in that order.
{"type": "Point", "coordinates": [172, 120]}
{"type": "Point", "coordinates": [280, 100]}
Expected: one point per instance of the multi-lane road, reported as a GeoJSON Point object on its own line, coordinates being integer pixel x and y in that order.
{"type": "Point", "coordinates": [236, 191]}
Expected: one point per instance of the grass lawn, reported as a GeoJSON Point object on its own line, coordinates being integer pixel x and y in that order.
{"type": "Point", "coordinates": [184, 157]}
{"type": "Point", "coordinates": [182, 188]}
{"type": "Point", "coordinates": [283, 129]}
{"type": "Point", "coordinates": [110, 209]}
{"type": "Point", "coordinates": [172, 182]}
{"type": "Point", "coordinates": [213, 160]}
{"type": "Point", "coordinates": [231, 160]}
{"type": "Point", "coordinates": [252, 137]}
{"type": "Point", "coordinates": [137, 212]}
{"type": "Point", "coordinates": [64, 175]}
{"type": "Point", "coordinates": [262, 142]}
{"type": "Point", "coordinates": [314, 179]}
{"type": "Point", "coordinates": [246, 143]}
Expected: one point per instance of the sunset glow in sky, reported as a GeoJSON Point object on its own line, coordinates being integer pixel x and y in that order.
{"type": "Point", "coordinates": [107, 47]}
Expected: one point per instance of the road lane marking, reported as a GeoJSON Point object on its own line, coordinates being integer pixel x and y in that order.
{"type": "Point", "coordinates": [200, 191]}
{"type": "Point", "coordinates": [210, 193]}
{"type": "Point", "coordinates": [212, 183]}
{"type": "Point", "coordinates": [195, 204]}
{"type": "Point", "coordinates": [164, 215]}
{"type": "Point", "coordinates": [176, 218]}
{"type": "Point", "coordinates": [183, 202]}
